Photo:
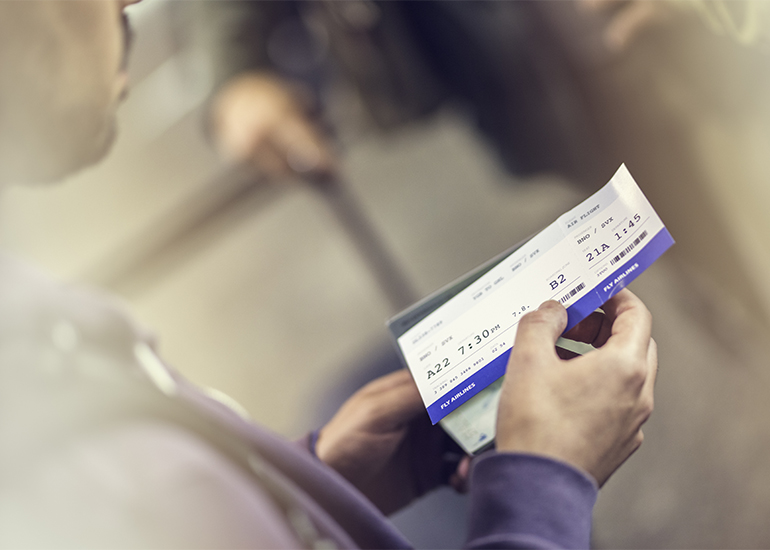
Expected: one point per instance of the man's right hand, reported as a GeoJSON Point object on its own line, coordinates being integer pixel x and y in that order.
{"type": "Point", "coordinates": [258, 119]}
{"type": "Point", "coordinates": [587, 411]}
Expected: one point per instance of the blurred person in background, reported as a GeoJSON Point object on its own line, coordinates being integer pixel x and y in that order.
{"type": "Point", "coordinates": [503, 63]}
{"type": "Point", "coordinates": [494, 60]}
{"type": "Point", "coordinates": [105, 446]}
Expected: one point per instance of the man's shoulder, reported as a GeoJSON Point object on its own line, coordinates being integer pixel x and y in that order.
{"type": "Point", "coordinates": [65, 354]}
{"type": "Point", "coordinates": [36, 307]}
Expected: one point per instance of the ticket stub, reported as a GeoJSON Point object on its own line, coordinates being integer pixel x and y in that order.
{"type": "Point", "coordinates": [457, 341]}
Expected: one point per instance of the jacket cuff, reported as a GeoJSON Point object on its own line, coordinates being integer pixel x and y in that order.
{"type": "Point", "coordinates": [309, 441]}
{"type": "Point", "coordinates": [529, 501]}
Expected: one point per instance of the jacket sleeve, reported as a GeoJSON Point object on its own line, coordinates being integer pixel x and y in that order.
{"type": "Point", "coordinates": [528, 501]}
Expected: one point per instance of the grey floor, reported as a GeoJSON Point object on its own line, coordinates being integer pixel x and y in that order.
{"type": "Point", "coordinates": [272, 305]}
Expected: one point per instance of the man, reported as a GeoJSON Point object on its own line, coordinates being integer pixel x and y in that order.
{"type": "Point", "coordinates": [104, 446]}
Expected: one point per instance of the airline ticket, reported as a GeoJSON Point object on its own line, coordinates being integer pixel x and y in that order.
{"type": "Point", "coordinates": [457, 341]}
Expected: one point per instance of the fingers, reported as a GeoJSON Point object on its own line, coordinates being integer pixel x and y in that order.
{"type": "Point", "coordinates": [400, 379]}
{"type": "Point", "coordinates": [652, 359]}
{"type": "Point", "coordinates": [587, 330]}
{"type": "Point", "coordinates": [459, 479]}
{"type": "Point", "coordinates": [597, 328]}
{"type": "Point", "coordinates": [291, 146]}
{"type": "Point", "coordinates": [266, 157]}
{"type": "Point", "coordinates": [538, 331]}
{"type": "Point", "coordinates": [565, 353]}
{"type": "Point", "coordinates": [648, 389]}
{"type": "Point", "coordinates": [626, 320]}
{"type": "Point", "coordinates": [391, 400]}
{"type": "Point", "coordinates": [631, 323]}
{"type": "Point", "coordinates": [304, 149]}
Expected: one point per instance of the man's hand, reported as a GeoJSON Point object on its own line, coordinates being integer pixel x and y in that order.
{"type": "Point", "coordinates": [587, 411]}
{"type": "Point", "coordinates": [259, 119]}
{"type": "Point", "coordinates": [382, 441]}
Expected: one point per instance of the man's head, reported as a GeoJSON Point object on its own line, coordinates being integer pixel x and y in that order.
{"type": "Point", "coordinates": [62, 75]}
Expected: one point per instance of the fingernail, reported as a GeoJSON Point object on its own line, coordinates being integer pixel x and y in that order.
{"type": "Point", "coordinates": [549, 303]}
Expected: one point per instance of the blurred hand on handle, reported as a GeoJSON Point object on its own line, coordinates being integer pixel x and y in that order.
{"type": "Point", "coordinates": [259, 119]}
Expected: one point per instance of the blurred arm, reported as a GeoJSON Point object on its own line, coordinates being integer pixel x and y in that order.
{"type": "Point", "coordinates": [257, 116]}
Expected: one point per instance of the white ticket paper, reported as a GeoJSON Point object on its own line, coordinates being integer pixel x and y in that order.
{"type": "Point", "coordinates": [457, 341]}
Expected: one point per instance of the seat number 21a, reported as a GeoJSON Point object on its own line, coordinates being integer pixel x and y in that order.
{"type": "Point", "coordinates": [596, 252]}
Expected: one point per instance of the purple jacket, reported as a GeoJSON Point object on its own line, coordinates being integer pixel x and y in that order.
{"type": "Point", "coordinates": [104, 446]}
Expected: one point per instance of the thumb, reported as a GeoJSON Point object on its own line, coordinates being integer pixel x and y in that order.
{"type": "Point", "coordinates": [538, 331]}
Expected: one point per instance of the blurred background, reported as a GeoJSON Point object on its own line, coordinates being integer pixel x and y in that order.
{"type": "Point", "coordinates": [254, 283]}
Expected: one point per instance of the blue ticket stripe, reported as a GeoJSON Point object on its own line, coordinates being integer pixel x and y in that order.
{"type": "Point", "coordinates": [470, 387]}
{"type": "Point", "coordinates": [578, 311]}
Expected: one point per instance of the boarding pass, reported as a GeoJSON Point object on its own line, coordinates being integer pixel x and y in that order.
{"type": "Point", "coordinates": [457, 341]}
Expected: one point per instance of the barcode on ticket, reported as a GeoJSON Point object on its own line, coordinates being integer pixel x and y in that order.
{"type": "Point", "coordinates": [629, 248]}
{"type": "Point", "coordinates": [572, 292]}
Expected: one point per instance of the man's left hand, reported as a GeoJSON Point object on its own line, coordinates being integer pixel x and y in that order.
{"type": "Point", "coordinates": [382, 441]}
